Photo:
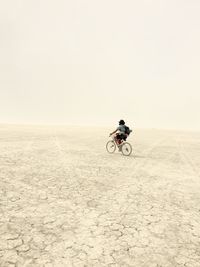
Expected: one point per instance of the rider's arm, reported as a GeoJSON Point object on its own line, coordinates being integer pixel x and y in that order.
{"type": "Point", "coordinates": [114, 132]}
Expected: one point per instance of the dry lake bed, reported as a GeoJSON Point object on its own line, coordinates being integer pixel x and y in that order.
{"type": "Point", "coordinates": [64, 201]}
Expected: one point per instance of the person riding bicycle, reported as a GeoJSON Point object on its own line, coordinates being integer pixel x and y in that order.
{"type": "Point", "coordinates": [121, 132]}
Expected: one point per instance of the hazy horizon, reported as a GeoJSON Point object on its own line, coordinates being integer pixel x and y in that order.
{"type": "Point", "coordinates": [95, 62]}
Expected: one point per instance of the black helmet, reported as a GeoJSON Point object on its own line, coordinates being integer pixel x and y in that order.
{"type": "Point", "coordinates": [121, 122]}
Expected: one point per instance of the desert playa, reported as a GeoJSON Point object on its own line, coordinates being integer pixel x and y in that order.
{"type": "Point", "coordinates": [66, 202]}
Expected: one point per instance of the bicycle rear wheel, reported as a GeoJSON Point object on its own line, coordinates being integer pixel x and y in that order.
{"type": "Point", "coordinates": [126, 149]}
{"type": "Point", "coordinates": [110, 147]}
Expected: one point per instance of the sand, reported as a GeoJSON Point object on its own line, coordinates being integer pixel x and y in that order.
{"type": "Point", "coordinates": [64, 201]}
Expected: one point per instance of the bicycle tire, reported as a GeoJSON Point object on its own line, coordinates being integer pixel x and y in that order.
{"type": "Point", "coordinates": [111, 147]}
{"type": "Point", "coordinates": [126, 149]}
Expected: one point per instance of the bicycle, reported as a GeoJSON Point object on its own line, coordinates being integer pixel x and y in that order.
{"type": "Point", "coordinates": [123, 147]}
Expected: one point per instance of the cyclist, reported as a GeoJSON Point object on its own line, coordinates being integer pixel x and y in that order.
{"type": "Point", "coordinates": [120, 132]}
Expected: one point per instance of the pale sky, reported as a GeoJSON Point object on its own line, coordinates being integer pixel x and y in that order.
{"type": "Point", "coordinates": [95, 62]}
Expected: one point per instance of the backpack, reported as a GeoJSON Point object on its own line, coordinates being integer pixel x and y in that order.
{"type": "Point", "coordinates": [127, 130]}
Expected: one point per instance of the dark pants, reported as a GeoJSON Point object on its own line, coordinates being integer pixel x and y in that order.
{"type": "Point", "coordinates": [121, 137]}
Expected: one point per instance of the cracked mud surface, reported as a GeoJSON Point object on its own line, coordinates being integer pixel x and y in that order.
{"type": "Point", "coordinates": [65, 202]}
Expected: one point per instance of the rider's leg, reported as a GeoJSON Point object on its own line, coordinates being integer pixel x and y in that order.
{"type": "Point", "coordinates": [117, 139]}
{"type": "Point", "coordinates": [120, 138]}
{"type": "Point", "coordinates": [124, 137]}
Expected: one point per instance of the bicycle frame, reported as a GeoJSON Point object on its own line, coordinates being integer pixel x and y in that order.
{"type": "Point", "coordinates": [123, 146]}
{"type": "Point", "coordinates": [114, 138]}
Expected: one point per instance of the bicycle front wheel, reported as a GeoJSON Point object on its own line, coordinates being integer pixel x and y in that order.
{"type": "Point", "coordinates": [111, 147]}
{"type": "Point", "coordinates": [126, 149]}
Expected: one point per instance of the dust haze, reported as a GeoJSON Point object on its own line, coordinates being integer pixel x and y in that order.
{"type": "Point", "coordinates": [91, 62]}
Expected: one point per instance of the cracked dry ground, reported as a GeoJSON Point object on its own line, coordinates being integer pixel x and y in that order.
{"type": "Point", "coordinates": [65, 202]}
